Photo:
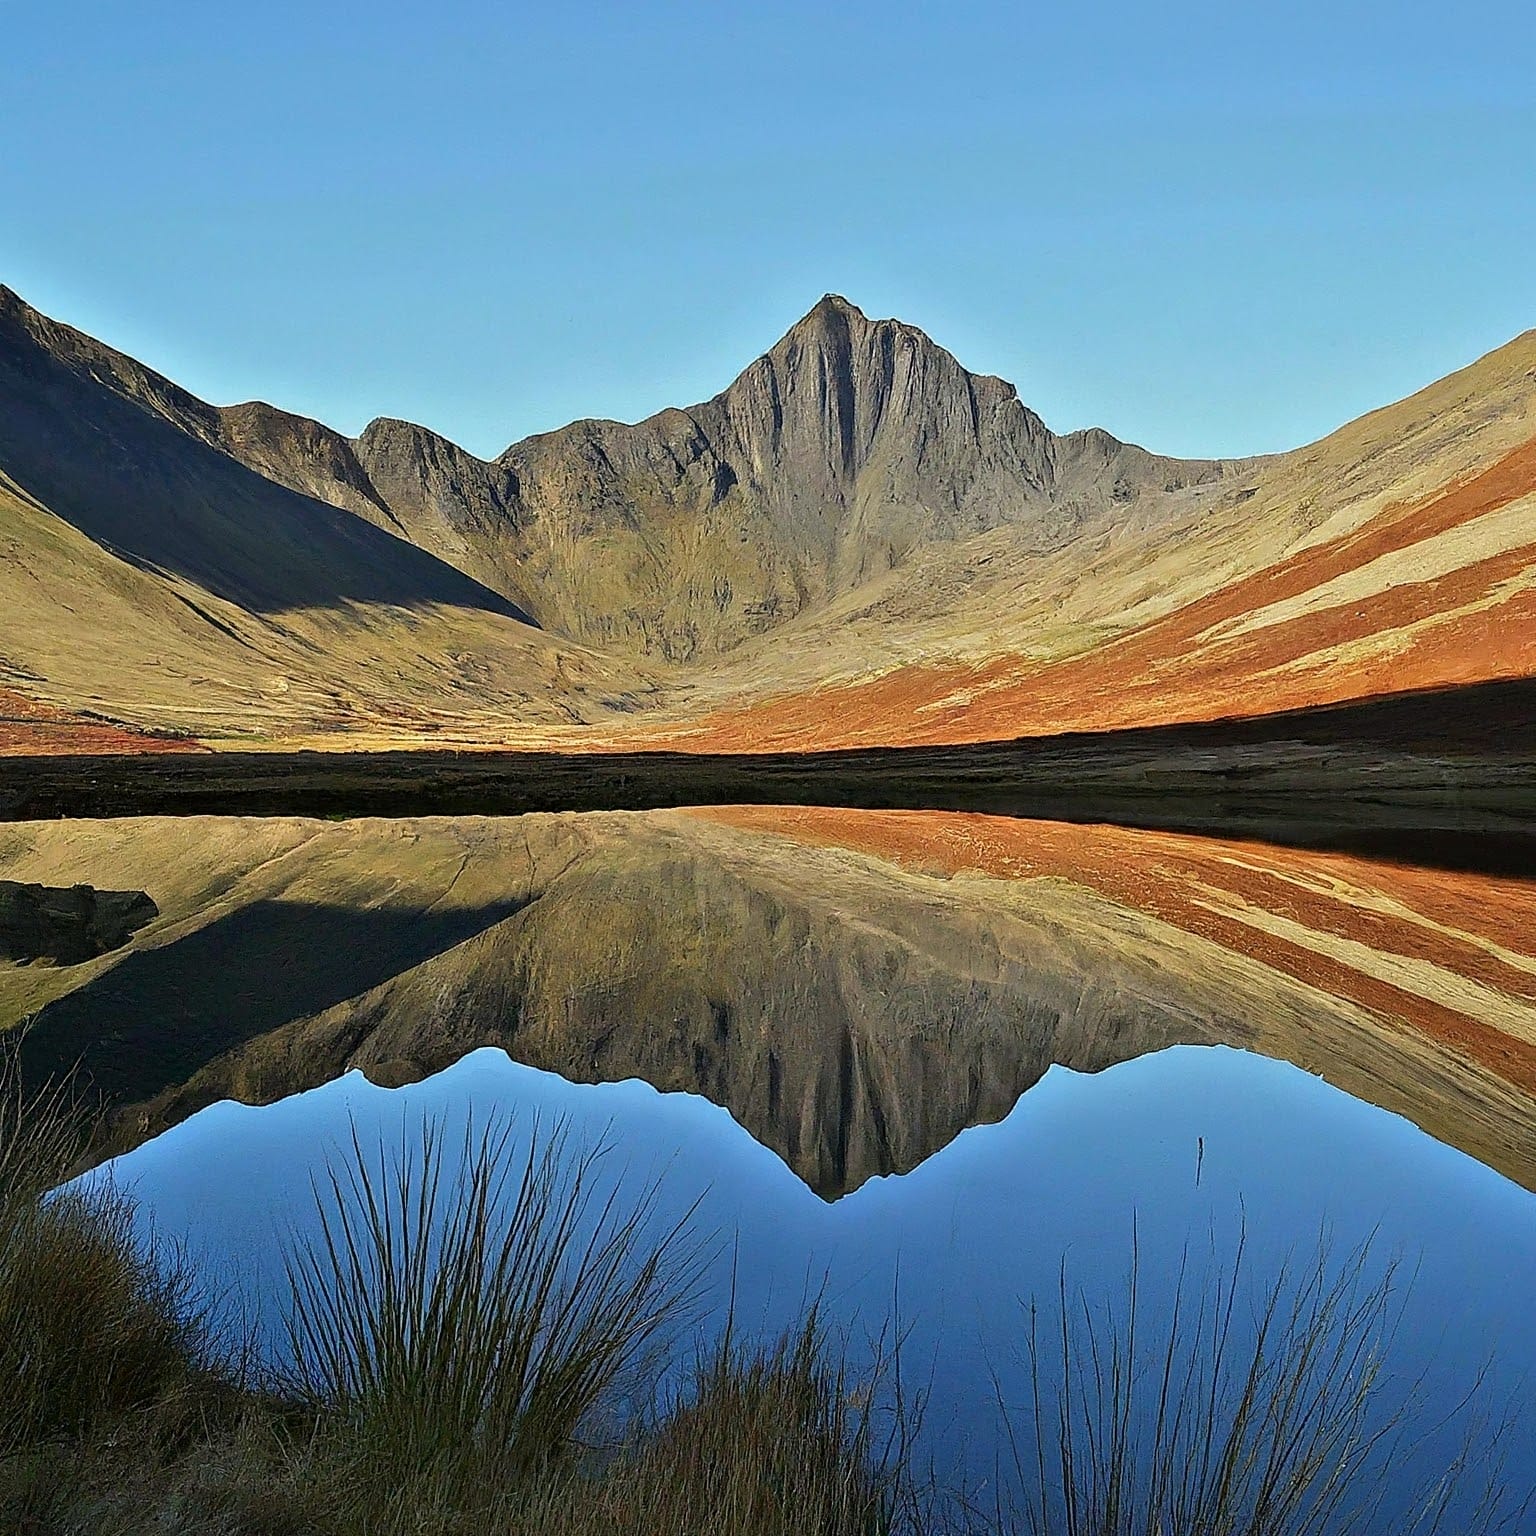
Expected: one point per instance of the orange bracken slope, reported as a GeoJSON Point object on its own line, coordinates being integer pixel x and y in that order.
{"type": "Point", "coordinates": [1434, 593]}
{"type": "Point", "coordinates": [28, 726]}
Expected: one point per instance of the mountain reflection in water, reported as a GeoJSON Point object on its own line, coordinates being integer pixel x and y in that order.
{"type": "Point", "coordinates": [855, 987]}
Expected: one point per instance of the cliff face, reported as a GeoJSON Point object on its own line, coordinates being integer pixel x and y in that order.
{"type": "Point", "coordinates": [842, 452]}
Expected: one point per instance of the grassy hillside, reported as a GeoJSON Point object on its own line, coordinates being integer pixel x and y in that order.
{"type": "Point", "coordinates": [856, 542]}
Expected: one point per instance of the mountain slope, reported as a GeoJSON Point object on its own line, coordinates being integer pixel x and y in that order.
{"type": "Point", "coordinates": [850, 445]}
{"type": "Point", "coordinates": [1397, 554]}
{"type": "Point", "coordinates": [152, 579]}
{"type": "Point", "coordinates": [857, 541]}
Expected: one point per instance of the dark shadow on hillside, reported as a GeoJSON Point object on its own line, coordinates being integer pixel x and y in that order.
{"type": "Point", "coordinates": [161, 1014]}
{"type": "Point", "coordinates": [159, 496]}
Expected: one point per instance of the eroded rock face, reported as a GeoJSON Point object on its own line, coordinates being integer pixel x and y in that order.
{"type": "Point", "coordinates": [67, 926]}
{"type": "Point", "coordinates": [847, 446]}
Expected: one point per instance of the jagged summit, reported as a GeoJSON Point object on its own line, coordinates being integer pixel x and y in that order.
{"type": "Point", "coordinates": [834, 309]}
{"type": "Point", "coordinates": [836, 302]}
{"type": "Point", "coordinates": [847, 446]}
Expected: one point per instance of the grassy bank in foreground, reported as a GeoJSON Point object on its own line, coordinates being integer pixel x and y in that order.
{"type": "Point", "coordinates": [484, 1351]}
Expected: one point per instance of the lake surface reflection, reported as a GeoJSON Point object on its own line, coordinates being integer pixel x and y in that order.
{"type": "Point", "coordinates": [918, 1065]}
{"type": "Point", "coordinates": [855, 987]}
{"type": "Point", "coordinates": [1188, 1147]}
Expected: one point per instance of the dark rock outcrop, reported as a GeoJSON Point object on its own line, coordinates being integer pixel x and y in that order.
{"type": "Point", "coordinates": [68, 925]}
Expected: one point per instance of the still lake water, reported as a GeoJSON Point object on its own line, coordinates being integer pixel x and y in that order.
{"type": "Point", "coordinates": [1191, 1146]}
{"type": "Point", "coordinates": [921, 1064]}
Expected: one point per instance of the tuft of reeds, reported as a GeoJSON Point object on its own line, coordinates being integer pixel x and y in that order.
{"type": "Point", "coordinates": [42, 1130]}
{"type": "Point", "coordinates": [459, 1332]}
{"type": "Point", "coordinates": [93, 1323]}
{"type": "Point", "coordinates": [770, 1440]}
{"type": "Point", "coordinates": [1246, 1406]}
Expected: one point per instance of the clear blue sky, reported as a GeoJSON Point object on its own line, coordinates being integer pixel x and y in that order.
{"type": "Point", "coordinates": [1209, 227]}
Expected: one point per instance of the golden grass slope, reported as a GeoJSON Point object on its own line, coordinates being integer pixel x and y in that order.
{"type": "Point", "coordinates": [91, 640]}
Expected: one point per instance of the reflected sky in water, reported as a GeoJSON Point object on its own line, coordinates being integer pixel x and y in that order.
{"type": "Point", "coordinates": [1190, 1146]}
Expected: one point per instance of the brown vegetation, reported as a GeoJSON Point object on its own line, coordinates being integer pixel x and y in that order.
{"type": "Point", "coordinates": [1474, 623]}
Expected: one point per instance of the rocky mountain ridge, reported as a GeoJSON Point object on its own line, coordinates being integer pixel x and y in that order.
{"type": "Point", "coordinates": [856, 542]}
{"type": "Point", "coordinates": [830, 460]}
{"type": "Point", "coordinates": [825, 463]}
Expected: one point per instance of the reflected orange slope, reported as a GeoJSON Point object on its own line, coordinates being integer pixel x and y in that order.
{"type": "Point", "coordinates": [1450, 955]}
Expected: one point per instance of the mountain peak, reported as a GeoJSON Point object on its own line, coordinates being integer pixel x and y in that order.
{"type": "Point", "coordinates": [832, 317]}
{"type": "Point", "coordinates": [835, 303]}
{"type": "Point", "coordinates": [838, 330]}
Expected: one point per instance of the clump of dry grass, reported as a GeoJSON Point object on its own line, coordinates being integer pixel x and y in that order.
{"type": "Point", "coordinates": [458, 1335]}
{"type": "Point", "coordinates": [1248, 1405]}
{"type": "Point", "coordinates": [457, 1340]}
{"type": "Point", "coordinates": [93, 1325]}
{"type": "Point", "coordinates": [767, 1442]}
